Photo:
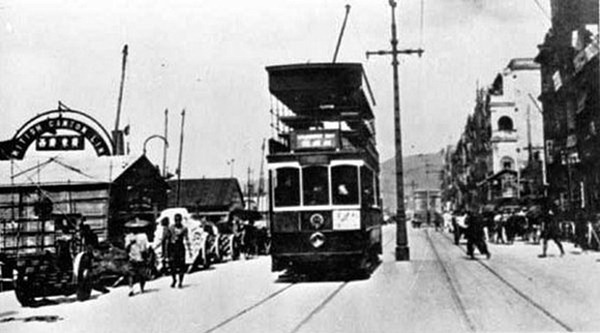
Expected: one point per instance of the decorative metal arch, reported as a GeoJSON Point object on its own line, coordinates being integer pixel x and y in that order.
{"type": "Point", "coordinates": [88, 127]}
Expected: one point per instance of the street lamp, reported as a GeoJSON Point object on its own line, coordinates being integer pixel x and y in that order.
{"type": "Point", "coordinates": [155, 136]}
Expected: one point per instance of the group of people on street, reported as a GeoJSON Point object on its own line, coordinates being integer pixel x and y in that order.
{"type": "Point", "coordinates": [173, 245]}
{"type": "Point", "coordinates": [502, 228]}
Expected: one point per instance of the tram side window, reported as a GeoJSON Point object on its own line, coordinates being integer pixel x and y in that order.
{"type": "Point", "coordinates": [368, 190]}
{"type": "Point", "coordinates": [344, 184]}
{"type": "Point", "coordinates": [315, 185]}
{"type": "Point", "coordinates": [287, 187]}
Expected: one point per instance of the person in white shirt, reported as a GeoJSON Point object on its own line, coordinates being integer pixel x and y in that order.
{"type": "Point", "coordinates": [137, 247]}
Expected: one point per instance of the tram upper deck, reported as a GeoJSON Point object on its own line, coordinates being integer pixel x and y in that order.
{"type": "Point", "coordinates": [324, 109]}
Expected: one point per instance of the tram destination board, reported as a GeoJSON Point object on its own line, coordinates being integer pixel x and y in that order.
{"type": "Point", "coordinates": [310, 140]}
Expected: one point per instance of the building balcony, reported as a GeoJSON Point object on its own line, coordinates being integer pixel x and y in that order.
{"type": "Point", "coordinates": [504, 136]}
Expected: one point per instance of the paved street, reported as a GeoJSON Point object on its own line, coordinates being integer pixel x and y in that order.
{"type": "Point", "coordinates": [438, 290]}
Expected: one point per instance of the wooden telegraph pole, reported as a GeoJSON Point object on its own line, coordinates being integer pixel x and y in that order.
{"type": "Point", "coordinates": [118, 147]}
{"type": "Point", "coordinates": [166, 143]}
{"type": "Point", "coordinates": [180, 157]}
{"type": "Point", "coordinates": [402, 249]}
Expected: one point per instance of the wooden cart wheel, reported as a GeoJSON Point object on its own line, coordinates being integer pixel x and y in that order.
{"type": "Point", "coordinates": [82, 268]}
{"type": "Point", "coordinates": [23, 292]}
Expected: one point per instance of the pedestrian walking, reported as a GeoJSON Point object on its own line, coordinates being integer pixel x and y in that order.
{"type": "Point", "coordinates": [161, 245]}
{"type": "Point", "coordinates": [496, 227]}
{"type": "Point", "coordinates": [511, 227]}
{"type": "Point", "coordinates": [458, 225]}
{"type": "Point", "coordinates": [550, 231]}
{"type": "Point", "coordinates": [249, 239]}
{"type": "Point", "coordinates": [178, 239]}
{"type": "Point", "coordinates": [137, 247]}
{"type": "Point", "coordinates": [475, 235]}
{"type": "Point", "coordinates": [582, 231]}
{"type": "Point", "coordinates": [438, 221]}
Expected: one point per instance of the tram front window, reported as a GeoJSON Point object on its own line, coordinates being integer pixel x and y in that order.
{"type": "Point", "coordinates": [287, 187]}
{"type": "Point", "coordinates": [368, 190]}
{"type": "Point", "coordinates": [315, 185]}
{"type": "Point", "coordinates": [344, 183]}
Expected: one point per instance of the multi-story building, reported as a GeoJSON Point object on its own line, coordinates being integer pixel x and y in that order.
{"type": "Point", "coordinates": [570, 94]}
{"type": "Point", "coordinates": [470, 161]}
{"type": "Point", "coordinates": [500, 153]}
{"type": "Point", "coordinates": [517, 130]}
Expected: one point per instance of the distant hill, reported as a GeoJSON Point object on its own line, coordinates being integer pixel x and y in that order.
{"type": "Point", "coordinates": [421, 172]}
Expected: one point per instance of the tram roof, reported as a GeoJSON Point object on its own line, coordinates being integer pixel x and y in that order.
{"type": "Point", "coordinates": [330, 88]}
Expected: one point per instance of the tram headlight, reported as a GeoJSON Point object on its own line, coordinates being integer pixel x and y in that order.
{"type": "Point", "coordinates": [346, 220]}
{"type": "Point", "coordinates": [317, 240]}
{"type": "Point", "coordinates": [317, 220]}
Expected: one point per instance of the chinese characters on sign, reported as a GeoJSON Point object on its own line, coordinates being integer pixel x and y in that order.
{"type": "Point", "coordinates": [320, 140]}
{"type": "Point", "coordinates": [60, 142]}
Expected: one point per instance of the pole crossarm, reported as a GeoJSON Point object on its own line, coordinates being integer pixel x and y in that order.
{"type": "Point", "coordinates": [391, 52]}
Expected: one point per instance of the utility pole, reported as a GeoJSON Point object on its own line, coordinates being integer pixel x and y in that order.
{"type": "Point", "coordinates": [180, 154]}
{"type": "Point", "coordinates": [166, 144]}
{"type": "Point", "coordinates": [249, 187]}
{"type": "Point", "coordinates": [402, 249]}
{"type": "Point", "coordinates": [261, 176]}
{"type": "Point", "coordinates": [118, 148]}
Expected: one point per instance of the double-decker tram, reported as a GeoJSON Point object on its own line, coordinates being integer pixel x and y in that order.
{"type": "Point", "coordinates": [325, 207]}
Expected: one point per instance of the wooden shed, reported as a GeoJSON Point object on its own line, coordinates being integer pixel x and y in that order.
{"type": "Point", "coordinates": [105, 191]}
{"type": "Point", "coordinates": [214, 198]}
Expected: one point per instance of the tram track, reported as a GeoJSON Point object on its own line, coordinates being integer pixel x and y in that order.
{"type": "Point", "coordinates": [458, 303]}
{"type": "Point", "coordinates": [326, 300]}
{"type": "Point", "coordinates": [319, 307]}
{"type": "Point", "coordinates": [522, 295]}
{"type": "Point", "coordinates": [250, 308]}
{"type": "Point", "coordinates": [296, 281]}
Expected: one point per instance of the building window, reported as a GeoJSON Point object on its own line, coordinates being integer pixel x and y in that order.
{"type": "Point", "coordinates": [505, 124]}
{"type": "Point", "coordinates": [507, 163]}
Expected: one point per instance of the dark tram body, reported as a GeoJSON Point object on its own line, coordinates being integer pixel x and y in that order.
{"type": "Point", "coordinates": [325, 207]}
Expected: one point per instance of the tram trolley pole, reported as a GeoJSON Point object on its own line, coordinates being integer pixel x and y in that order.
{"type": "Point", "coordinates": [402, 248]}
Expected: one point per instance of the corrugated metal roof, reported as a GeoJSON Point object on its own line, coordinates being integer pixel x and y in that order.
{"type": "Point", "coordinates": [62, 169]}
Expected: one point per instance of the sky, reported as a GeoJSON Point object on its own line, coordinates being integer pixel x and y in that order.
{"type": "Point", "coordinates": [209, 58]}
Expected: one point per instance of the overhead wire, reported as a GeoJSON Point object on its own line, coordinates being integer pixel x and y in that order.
{"type": "Point", "coordinates": [543, 10]}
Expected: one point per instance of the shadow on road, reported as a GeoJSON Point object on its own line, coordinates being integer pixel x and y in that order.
{"type": "Point", "coordinates": [327, 274]}
{"type": "Point", "coordinates": [7, 313]}
{"type": "Point", "coordinates": [47, 319]}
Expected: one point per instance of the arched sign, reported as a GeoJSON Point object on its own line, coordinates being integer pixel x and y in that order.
{"type": "Point", "coordinates": [44, 123]}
